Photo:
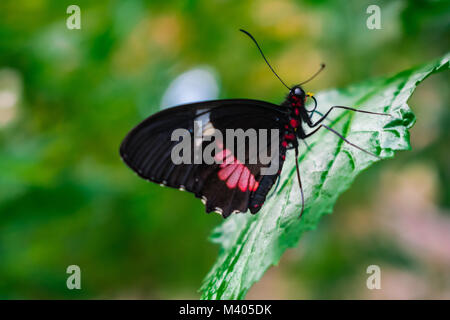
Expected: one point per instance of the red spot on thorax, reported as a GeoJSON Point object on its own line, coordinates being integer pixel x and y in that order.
{"type": "Point", "coordinates": [289, 136]}
{"type": "Point", "coordinates": [294, 123]}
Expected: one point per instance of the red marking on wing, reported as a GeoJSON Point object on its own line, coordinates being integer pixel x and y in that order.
{"type": "Point", "coordinates": [223, 156]}
{"type": "Point", "coordinates": [253, 184]}
{"type": "Point", "coordinates": [243, 181]}
{"type": "Point", "coordinates": [226, 172]}
{"type": "Point", "coordinates": [235, 173]}
{"type": "Point", "coordinates": [233, 180]}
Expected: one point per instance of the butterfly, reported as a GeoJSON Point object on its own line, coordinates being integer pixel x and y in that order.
{"type": "Point", "coordinates": [231, 184]}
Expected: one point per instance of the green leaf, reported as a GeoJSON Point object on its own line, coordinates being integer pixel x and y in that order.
{"type": "Point", "coordinates": [250, 244]}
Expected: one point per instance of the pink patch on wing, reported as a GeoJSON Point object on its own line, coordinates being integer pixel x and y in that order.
{"type": "Point", "coordinates": [251, 182]}
{"type": "Point", "coordinates": [243, 180]}
{"type": "Point", "coordinates": [235, 173]}
{"type": "Point", "coordinates": [222, 155]}
{"type": "Point", "coordinates": [224, 173]}
{"type": "Point", "coordinates": [233, 180]}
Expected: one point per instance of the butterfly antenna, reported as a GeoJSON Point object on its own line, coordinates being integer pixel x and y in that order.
{"type": "Point", "coordinates": [322, 66]}
{"type": "Point", "coordinates": [299, 182]}
{"type": "Point", "coordinates": [264, 57]}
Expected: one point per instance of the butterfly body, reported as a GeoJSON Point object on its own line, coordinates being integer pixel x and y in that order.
{"type": "Point", "coordinates": [298, 115]}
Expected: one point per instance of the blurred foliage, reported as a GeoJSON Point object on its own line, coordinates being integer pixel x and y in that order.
{"type": "Point", "coordinates": [66, 198]}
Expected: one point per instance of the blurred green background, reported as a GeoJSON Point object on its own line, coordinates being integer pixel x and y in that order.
{"type": "Point", "coordinates": [68, 97]}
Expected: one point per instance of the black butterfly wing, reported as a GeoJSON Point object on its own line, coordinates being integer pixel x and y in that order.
{"type": "Point", "coordinates": [229, 187]}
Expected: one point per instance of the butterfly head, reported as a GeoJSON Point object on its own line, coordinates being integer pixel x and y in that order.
{"type": "Point", "coordinates": [298, 96]}
{"type": "Point", "coordinates": [297, 93]}
{"type": "Point", "coordinates": [296, 101]}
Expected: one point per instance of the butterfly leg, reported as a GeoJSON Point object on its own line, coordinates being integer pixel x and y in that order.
{"type": "Point", "coordinates": [299, 182]}
{"type": "Point", "coordinates": [312, 125]}
{"type": "Point", "coordinates": [342, 137]}
{"type": "Point", "coordinates": [312, 113]}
